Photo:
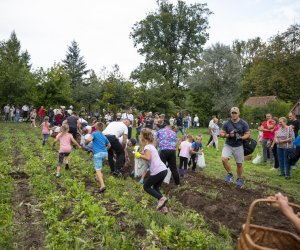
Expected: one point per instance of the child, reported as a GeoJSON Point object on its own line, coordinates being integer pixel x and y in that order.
{"type": "Point", "coordinates": [45, 129]}
{"type": "Point", "coordinates": [215, 132]}
{"type": "Point", "coordinates": [56, 131]}
{"type": "Point", "coordinates": [183, 138]}
{"type": "Point", "coordinates": [158, 169]}
{"type": "Point", "coordinates": [100, 147]}
{"type": "Point", "coordinates": [33, 118]}
{"type": "Point", "coordinates": [184, 155]}
{"type": "Point", "coordinates": [129, 156]}
{"type": "Point", "coordinates": [65, 146]}
{"type": "Point", "coordinates": [196, 149]}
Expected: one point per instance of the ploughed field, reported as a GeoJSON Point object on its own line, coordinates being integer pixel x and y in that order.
{"type": "Point", "coordinates": [39, 211]}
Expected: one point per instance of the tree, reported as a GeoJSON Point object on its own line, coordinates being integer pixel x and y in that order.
{"type": "Point", "coordinates": [16, 80]}
{"type": "Point", "coordinates": [171, 39]}
{"type": "Point", "coordinates": [53, 87]}
{"type": "Point", "coordinates": [275, 70]}
{"type": "Point", "coordinates": [219, 76]}
{"type": "Point", "coordinates": [75, 66]}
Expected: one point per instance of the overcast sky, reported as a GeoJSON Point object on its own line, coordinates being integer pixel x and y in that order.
{"type": "Point", "coordinates": [101, 27]}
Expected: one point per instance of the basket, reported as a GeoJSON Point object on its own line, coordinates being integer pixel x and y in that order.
{"type": "Point", "coordinates": [254, 237]}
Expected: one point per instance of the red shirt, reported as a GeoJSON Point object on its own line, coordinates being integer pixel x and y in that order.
{"type": "Point", "coordinates": [268, 134]}
{"type": "Point", "coordinates": [41, 112]}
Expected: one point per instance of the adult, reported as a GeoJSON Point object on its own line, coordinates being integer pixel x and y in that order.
{"type": "Point", "coordinates": [196, 121]}
{"type": "Point", "coordinates": [128, 115]}
{"type": "Point", "coordinates": [179, 123]}
{"type": "Point", "coordinates": [51, 116]}
{"type": "Point", "coordinates": [274, 145]}
{"type": "Point", "coordinates": [17, 117]}
{"type": "Point", "coordinates": [113, 132]}
{"type": "Point", "coordinates": [139, 126]}
{"type": "Point", "coordinates": [210, 125]}
{"type": "Point", "coordinates": [74, 124]}
{"type": "Point", "coordinates": [235, 130]}
{"type": "Point", "coordinates": [6, 112]}
{"type": "Point", "coordinates": [294, 123]}
{"type": "Point", "coordinates": [149, 120]}
{"type": "Point", "coordinates": [58, 118]}
{"type": "Point", "coordinates": [267, 128]}
{"type": "Point", "coordinates": [41, 114]}
{"type": "Point", "coordinates": [284, 137]}
{"type": "Point", "coordinates": [167, 140]}
{"type": "Point", "coordinates": [25, 110]}
{"type": "Point", "coordinates": [83, 113]}
{"type": "Point", "coordinates": [162, 121]}
{"type": "Point", "coordinates": [12, 113]}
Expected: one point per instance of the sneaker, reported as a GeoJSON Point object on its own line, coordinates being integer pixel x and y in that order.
{"type": "Point", "coordinates": [161, 202]}
{"type": "Point", "coordinates": [294, 167]}
{"type": "Point", "coordinates": [67, 167]}
{"type": "Point", "coordinates": [164, 210]}
{"type": "Point", "coordinates": [239, 182]}
{"type": "Point", "coordinates": [57, 175]}
{"type": "Point", "coordinates": [273, 168]}
{"type": "Point", "coordinates": [229, 178]}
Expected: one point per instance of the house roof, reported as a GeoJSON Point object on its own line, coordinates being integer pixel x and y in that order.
{"type": "Point", "coordinates": [259, 101]}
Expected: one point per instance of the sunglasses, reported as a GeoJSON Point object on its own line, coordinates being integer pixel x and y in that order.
{"type": "Point", "coordinates": [234, 113]}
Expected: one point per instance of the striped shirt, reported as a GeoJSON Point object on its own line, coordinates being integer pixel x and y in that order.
{"type": "Point", "coordinates": [283, 134]}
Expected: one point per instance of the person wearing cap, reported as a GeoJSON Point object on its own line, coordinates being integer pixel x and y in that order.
{"type": "Point", "coordinates": [235, 130]}
{"type": "Point", "coordinates": [128, 115]}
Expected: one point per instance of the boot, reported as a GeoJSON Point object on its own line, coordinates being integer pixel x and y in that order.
{"type": "Point", "coordinates": [180, 172]}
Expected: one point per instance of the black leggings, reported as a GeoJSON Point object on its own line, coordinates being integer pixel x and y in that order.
{"type": "Point", "coordinates": [155, 181]}
{"type": "Point", "coordinates": [183, 161]}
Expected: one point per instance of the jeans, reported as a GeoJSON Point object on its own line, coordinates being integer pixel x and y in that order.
{"type": "Point", "coordinates": [285, 168]}
{"type": "Point", "coordinates": [17, 118]}
{"type": "Point", "coordinates": [116, 148]}
{"type": "Point", "coordinates": [266, 149]}
{"type": "Point", "coordinates": [169, 156]}
{"type": "Point", "coordinates": [155, 181]}
{"type": "Point", "coordinates": [129, 132]}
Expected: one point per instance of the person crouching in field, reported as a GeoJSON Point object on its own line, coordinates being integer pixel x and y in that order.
{"type": "Point", "coordinates": [158, 169]}
{"type": "Point", "coordinates": [100, 147]}
{"type": "Point", "coordinates": [65, 147]}
{"type": "Point", "coordinates": [45, 129]}
{"type": "Point", "coordinates": [196, 149]}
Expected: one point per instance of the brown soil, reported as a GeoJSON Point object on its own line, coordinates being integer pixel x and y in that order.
{"type": "Point", "coordinates": [18, 158]}
{"type": "Point", "coordinates": [28, 218]}
{"type": "Point", "coordinates": [226, 204]}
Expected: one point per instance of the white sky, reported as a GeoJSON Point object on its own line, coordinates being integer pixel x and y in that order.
{"type": "Point", "coordinates": [47, 27]}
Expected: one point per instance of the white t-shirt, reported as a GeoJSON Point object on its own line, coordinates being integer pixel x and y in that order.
{"type": "Point", "coordinates": [25, 108]}
{"type": "Point", "coordinates": [128, 116]}
{"type": "Point", "coordinates": [185, 148]}
{"type": "Point", "coordinates": [116, 128]}
{"type": "Point", "coordinates": [211, 123]}
{"type": "Point", "coordinates": [81, 120]}
{"type": "Point", "coordinates": [196, 119]}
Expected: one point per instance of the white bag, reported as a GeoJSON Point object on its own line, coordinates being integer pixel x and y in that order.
{"type": "Point", "coordinates": [201, 161]}
{"type": "Point", "coordinates": [168, 176]}
{"type": "Point", "coordinates": [257, 159]}
{"type": "Point", "coordinates": [140, 165]}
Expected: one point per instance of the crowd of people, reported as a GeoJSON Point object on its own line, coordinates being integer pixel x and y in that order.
{"type": "Point", "coordinates": [110, 137]}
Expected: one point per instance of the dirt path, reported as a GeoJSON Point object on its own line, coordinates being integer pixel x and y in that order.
{"type": "Point", "coordinates": [29, 230]}
{"type": "Point", "coordinates": [226, 204]}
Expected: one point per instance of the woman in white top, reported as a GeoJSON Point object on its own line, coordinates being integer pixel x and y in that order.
{"type": "Point", "coordinates": [215, 132]}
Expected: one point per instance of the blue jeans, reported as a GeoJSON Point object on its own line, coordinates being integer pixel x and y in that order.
{"type": "Point", "coordinates": [285, 168]}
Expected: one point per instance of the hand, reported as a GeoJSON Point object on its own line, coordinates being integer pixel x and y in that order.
{"type": "Point", "coordinates": [137, 155]}
{"type": "Point", "coordinates": [281, 202]}
{"type": "Point", "coordinates": [141, 181]}
{"type": "Point", "coordinates": [232, 134]}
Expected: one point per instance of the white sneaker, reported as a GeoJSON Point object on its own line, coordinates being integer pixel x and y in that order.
{"type": "Point", "coordinates": [273, 168]}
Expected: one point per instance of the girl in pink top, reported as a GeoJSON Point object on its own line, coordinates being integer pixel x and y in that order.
{"type": "Point", "coordinates": [158, 169]}
{"type": "Point", "coordinates": [65, 146]}
{"type": "Point", "coordinates": [184, 155]}
{"type": "Point", "coordinates": [45, 129]}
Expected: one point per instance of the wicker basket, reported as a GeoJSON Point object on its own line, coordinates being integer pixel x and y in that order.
{"type": "Point", "coordinates": [254, 237]}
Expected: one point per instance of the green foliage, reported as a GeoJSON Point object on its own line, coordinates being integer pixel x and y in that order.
{"type": "Point", "coordinates": [275, 69]}
{"type": "Point", "coordinates": [219, 77]}
{"type": "Point", "coordinates": [171, 39]}
{"type": "Point", "coordinates": [257, 114]}
{"type": "Point", "coordinates": [53, 87]}
{"type": "Point", "coordinates": [16, 81]}
{"type": "Point", "coordinates": [74, 65]}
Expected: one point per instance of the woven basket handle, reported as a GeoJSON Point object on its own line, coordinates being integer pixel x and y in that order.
{"type": "Point", "coordinates": [252, 206]}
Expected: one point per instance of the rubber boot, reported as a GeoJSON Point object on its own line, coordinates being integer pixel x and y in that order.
{"type": "Point", "coordinates": [184, 173]}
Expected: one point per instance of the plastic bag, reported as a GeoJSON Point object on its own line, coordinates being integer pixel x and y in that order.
{"type": "Point", "coordinates": [257, 159]}
{"type": "Point", "coordinates": [168, 176]}
{"type": "Point", "coordinates": [201, 161]}
{"type": "Point", "coordinates": [140, 165]}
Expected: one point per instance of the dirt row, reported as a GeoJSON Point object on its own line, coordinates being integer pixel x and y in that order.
{"type": "Point", "coordinates": [28, 218]}
{"type": "Point", "coordinates": [226, 204]}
